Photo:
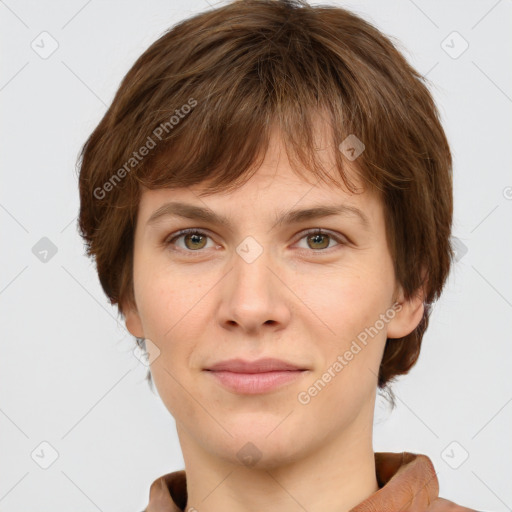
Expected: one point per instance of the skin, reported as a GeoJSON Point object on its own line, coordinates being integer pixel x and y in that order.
{"type": "Point", "coordinates": [294, 302]}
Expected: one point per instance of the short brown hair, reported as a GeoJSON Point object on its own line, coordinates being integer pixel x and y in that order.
{"type": "Point", "coordinates": [203, 98]}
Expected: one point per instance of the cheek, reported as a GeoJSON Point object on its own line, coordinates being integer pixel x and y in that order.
{"type": "Point", "coordinates": [349, 302]}
{"type": "Point", "coordinates": [174, 390]}
{"type": "Point", "coordinates": [174, 309]}
{"type": "Point", "coordinates": [166, 298]}
{"type": "Point", "coordinates": [170, 320]}
{"type": "Point", "coordinates": [344, 299]}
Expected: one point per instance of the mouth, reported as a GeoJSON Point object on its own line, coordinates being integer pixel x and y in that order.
{"type": "Point", "coordinates": [261, 376]}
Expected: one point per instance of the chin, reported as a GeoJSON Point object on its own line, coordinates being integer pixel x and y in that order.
{"type": "Point", "coordinates": [256, 449]}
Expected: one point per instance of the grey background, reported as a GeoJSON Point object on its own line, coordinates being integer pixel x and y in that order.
{"type": "Point", "coordinates": [68, 376]}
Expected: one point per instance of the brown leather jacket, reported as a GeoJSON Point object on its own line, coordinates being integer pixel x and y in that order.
{"type": "Point", "coordinates": [407, 483]}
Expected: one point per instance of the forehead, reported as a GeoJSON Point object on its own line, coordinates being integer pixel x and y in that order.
{"type": "Point", "coordinates": [275, 188]}
{"type": "Point", "coordinates": [236, 213]}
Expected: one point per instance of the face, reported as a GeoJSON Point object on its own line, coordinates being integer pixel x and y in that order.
{"type": "Point", "coordinates": [305, 291]}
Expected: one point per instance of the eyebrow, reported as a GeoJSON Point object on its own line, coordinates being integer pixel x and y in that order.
{"type": "Point", "coordinates": [190, 211]}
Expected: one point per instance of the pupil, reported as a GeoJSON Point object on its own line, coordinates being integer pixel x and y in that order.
{"type": "Point", "coordinates": [195, 238]}
{"type": "Point", "coordinates": [317, 238]}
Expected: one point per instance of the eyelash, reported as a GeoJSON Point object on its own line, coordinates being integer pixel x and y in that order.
{"type": "Point", "coordinates": [316, 231]}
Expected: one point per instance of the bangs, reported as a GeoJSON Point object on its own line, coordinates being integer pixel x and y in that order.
{"type": "Point", "coordinates": [227, 160]}
{"type": "Point", "coordinates": [241, 98]}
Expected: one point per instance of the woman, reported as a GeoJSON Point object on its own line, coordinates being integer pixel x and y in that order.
{"type": "Point", "coordinates": [269, 203]}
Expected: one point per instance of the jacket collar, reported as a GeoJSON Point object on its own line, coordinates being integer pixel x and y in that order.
{"type": "Point", "coordinates": [407, 482]}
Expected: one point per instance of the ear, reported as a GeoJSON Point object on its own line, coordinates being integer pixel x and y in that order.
{"type": "Point", "coordinates": [408, 314]}
{"type": "Point", "coordinates": [133, 322]}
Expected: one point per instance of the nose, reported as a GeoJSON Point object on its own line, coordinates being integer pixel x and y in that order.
{"type": "Point", "coordinates": [253, 293]}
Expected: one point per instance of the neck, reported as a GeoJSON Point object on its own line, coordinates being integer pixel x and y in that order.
{"type": "Point", "coordinates": [336, 476]}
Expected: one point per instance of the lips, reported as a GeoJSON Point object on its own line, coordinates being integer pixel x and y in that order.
{"type": "Point", "coordinates": [255, 377]}
{"type": "Point", "coordinates": [259, 366]}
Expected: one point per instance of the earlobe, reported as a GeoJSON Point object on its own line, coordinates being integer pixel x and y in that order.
{"type": "Point", "coordinates": [133, 322]}
{"type": "Point", "coordinates": [408, 315]}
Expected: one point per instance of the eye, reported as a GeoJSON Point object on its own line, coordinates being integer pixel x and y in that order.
{"type": "Point", "coordinates": [319, 240]}
{"type": "Point", "coordinates": [194, 240]}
